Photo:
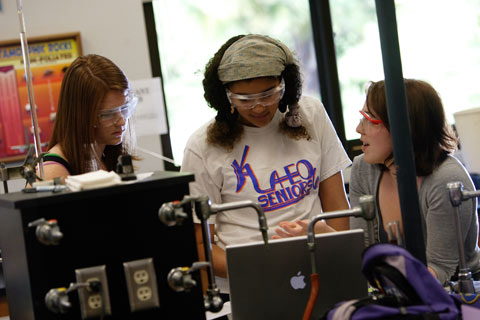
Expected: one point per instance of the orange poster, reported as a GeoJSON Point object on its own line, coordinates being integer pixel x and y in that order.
{"type": "Point", "coordinates": [49, 59]}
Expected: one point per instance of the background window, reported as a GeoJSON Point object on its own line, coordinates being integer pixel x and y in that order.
{"type": "Point", "coordinates": [439, 43]}
{"type": "Point", "coordinates": [190, 32]}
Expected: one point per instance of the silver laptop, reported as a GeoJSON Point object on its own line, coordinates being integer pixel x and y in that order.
{"type": "Point", "coordinates": [273, 282]}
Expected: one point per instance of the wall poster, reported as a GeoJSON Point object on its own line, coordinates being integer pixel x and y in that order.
{"type": "Point", "coordinates": [49, 58]}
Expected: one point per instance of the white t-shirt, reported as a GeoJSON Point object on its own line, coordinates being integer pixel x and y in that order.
{"type": "Point", "coordinates": [280, 173]}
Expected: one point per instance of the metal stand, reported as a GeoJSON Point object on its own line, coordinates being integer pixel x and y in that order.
{"type": "Point", "coordinates": [31, 96]}
{"type": "Point", "coordinates": [25, 171]}
{"type": "Point", "coordinates": [457, 195]}
{"type": "Point", "coordinates": [173, 213]}
{"type": "Point", "coordinates": [366, 210]}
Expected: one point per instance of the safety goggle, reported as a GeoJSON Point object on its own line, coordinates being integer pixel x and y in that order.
{"type": "Point", "coordinates": [368, 119]}
{"type": "Point", "coordinates": [111, 116]}
{"type": "Point", "coordinates": [250, 101]}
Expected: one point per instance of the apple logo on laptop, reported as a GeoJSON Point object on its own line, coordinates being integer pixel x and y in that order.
{"type": "Point", "coordinates": [298, 281]}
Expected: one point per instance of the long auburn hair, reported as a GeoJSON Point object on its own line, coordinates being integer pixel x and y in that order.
{"type": "Point", "coordinates": [226, 130]}
{"type": "Point", "coordinates": [432, 138]}
{"type": "Point", "coordinates": [85, 85]}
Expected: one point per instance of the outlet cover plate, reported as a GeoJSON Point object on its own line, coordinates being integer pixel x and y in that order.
{"type": "Point", "coordinates": [141, 284]}
{"type": "Point", "coordinates": [93, 304]}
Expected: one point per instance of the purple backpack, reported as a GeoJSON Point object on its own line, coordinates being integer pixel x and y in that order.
{"type": "Point", "coordinates": [403, 289]}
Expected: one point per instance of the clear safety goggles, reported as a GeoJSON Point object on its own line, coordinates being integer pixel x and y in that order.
{"type": "Point", "coordinates": [109, 117]}
{"type": "Point", "coordinates": [250, 101]}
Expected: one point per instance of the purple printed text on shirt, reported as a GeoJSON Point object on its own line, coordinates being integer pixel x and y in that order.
{"type": "Point", "coordinates": [297, 182]}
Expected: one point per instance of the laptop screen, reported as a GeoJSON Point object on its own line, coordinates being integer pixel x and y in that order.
{"type": "Point", "coordinates": [273, 282]}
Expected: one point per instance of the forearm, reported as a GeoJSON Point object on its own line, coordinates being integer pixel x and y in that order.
{"type": "Point", "coordinates": [333, 197]}
{"type": "Point", "coordinates": [218, 254]}
{"type": "Point", "coordinates": [340, 203]}
{"type": "Point", "coordinates": [219, 261]}
{"type": "Point", "coordinates": [339, 224]}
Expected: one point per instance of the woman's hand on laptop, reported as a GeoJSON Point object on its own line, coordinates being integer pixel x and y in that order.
{"type": "Point", "coordinates": [299, 228]}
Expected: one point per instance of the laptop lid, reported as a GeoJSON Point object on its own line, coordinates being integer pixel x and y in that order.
{"type": "Point", "coordinates": [273, 282]}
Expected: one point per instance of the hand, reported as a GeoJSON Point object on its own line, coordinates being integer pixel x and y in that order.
{"type": "Point", "coordinates": [291, 229]}
{"type": "Point", "coordinates": [299, 228]}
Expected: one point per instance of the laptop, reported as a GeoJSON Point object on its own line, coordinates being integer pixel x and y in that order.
{"type": "Point", "coordinates": [273, 282]}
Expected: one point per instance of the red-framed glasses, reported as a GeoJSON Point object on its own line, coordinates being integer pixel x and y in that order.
{"type": "Point", "coordinates": [369, 119]}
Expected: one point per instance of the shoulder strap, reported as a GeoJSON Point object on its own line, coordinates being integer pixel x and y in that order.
{"type": "Point", "coordinates": [57, 158]}
{"type": "Point", "coordinates": [355, 310]}
{"type": "Point", "coordinates": [400, 283]}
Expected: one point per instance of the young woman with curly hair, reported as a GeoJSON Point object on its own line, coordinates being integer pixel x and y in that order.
{"type": "Point", "coordinates": [267, 143]}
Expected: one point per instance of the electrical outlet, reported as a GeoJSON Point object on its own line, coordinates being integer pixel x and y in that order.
{"type": "Point", "coordinates": [141, 284]}
{"type": "Point", "coordinates": [92, 303]}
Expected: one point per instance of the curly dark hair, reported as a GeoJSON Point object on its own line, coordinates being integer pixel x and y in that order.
{"type": "Point", "coordinates": [226, 130]}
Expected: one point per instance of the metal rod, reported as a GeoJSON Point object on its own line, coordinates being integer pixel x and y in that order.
{"type": "Point", "coordinates": [366, 210]}
{"type": "Point", "coordinates": [461, 250]}
{"type": "Point", "coordinates": [400, 129]}
{"type": "Point", "coordinates": [201, 206]}
{"type": "Point", "coordinates": [311, 230]}
{"type": "Point", "coordinates": [156, 155]}
{"type": "Point", "coordinates": [367, 203]}
{"type": "Point", "coordinates": [465, 280]}
{"type": "Point", "coordinates": [457, 195]}
{"type": "Point", "coordinates": [323, 41]}
{"type": "Point", "coordinates": [31, 96]}
{"type": "Point", "coordinates": [470, 194]}
{"type": "Point", "coordinates": [262, 221]}
{"type": "Point", "coordinates": [4, 176]}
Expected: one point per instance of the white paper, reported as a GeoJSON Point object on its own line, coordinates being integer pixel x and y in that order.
{"type": "Point", "coordinates": [149, 116]}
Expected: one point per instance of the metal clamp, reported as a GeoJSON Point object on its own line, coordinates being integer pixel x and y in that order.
{"type": "Point", "coordinates": [172, 213]}
{"type": "Point", "coordinates": [57, 300]}
{"type": "Point", "coordinates": [180, 279]}
{"type": "Point", "coordinates": [26, 171]}
{"type": "Point", "coordinates": [47, 232]}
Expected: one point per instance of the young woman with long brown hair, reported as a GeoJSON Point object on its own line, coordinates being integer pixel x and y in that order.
{"type": "Point", "coordinates": [91, 127]}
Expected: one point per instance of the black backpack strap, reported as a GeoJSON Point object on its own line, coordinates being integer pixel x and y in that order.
{"type": "Point", "coordinates": [398, 279]}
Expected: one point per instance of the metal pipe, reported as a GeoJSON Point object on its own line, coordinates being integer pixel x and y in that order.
{"type": "Point", "coordinates": [366, 210]}
{"type": "Point", "coordinates": [465, 280]}
{"type": "Point", "coordinates": [4, 176]}
{"type": "Point", "coordinates": [470, 194]}
{"type": "Point", "coordinates": [455, 192]}
{"type": "Point", "coordinates": [327, 64]}
{"type": "Point", "coordinates": [202, 206]}
{"type": "Point", "coordinates": [262, 221]}
{"type": "Point", "coordinates": [31, 96]}
{"type": "Point", "coordinates": [400, 129]}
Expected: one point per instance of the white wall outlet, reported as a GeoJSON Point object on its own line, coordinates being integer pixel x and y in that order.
{"type": "Point", "coordinates": [144, 293]}
{"type": "Point", "coordinates": [141, 284]}
{"type": "Point", "coordinates": [94, 301]}
{"type": "Point", "coordinates": [140, 276]}
{"type": "Point", "coordinates": [93, 304]}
